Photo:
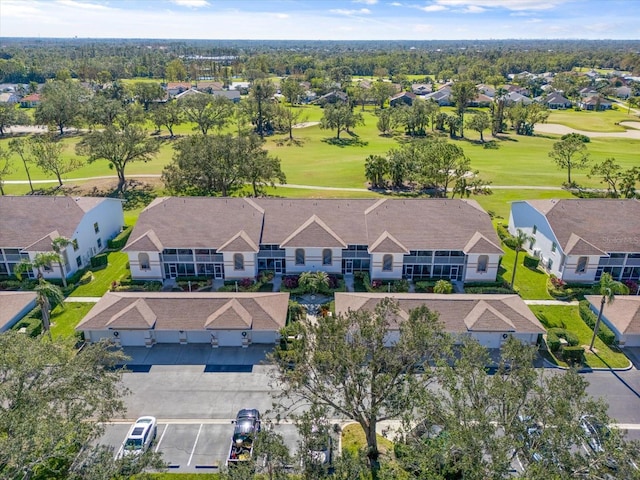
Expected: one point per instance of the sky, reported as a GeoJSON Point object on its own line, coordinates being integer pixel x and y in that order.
{"type": "Point", "coordinates": [322, 19]}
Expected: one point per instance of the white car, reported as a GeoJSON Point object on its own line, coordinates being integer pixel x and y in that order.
{"type": "Point", "coordinates": [140, 436]}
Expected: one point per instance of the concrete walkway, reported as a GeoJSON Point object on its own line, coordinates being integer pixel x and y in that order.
{"type": "Point", "coordinates": [550, 302]}
{"type": "Point", "coordinates": [82, 299]}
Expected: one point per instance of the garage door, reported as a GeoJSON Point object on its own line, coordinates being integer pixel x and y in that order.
{"type": "Point", "coordinates": [488, 339]}
{"type": "Point", "coordinates": [132, 338]}
{"type": "Point", "coordinates": [228, 338]}
{"type": "Point", "coordinates": [632, 340]}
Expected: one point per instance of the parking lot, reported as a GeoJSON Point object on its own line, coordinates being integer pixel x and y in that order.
{"type": "Point", "coordinates": [196, 446]}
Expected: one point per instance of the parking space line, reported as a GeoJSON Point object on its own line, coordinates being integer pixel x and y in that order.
{"type": "Point", "coordinates": [161, 437]}
{"type": "Point", "coordinates": [194, 445]}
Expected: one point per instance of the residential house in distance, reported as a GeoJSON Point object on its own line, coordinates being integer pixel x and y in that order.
{"type": "Point", "coordinates": [234, 238]}
{"type": "Point", "coordinates": [490, 319]}
{"type": "Point", "coordinates": [481, 100]}
{"type": "Point", "coordinates": [31, 223]}
{"type": "Point", "coordinates": [442, 96]}
{"type": "Point", "coordinates": [511, 98]}
{"type": "Point", "coordinates": [622, 317]}
{"type": "Point", "coordinates": [595, 102]}
{"type": "Point", "coordinates": [488, 90]}
{"type": "Point", "coordinates": [218, 319]}
{"type": "Point", "coordinates": [175, 88]}
{"type": "Point", "coordinates": [30, 101]}
{"type": "Point", "coordinates": [209, 86]}
{"type": "Point", "coordinates": [579, 240]}
{"type": "Point", "coordinates": [9, 97]}
{"type": "Point", "coordinates": [623, 92]}
{"type": "Point", "coordinates": [421, 88]}
{"type": "Point", "coordinates": [14, 306]}
{"type": "Point", "coordinates": [402, 98]}
{"type": "Point", "coordinates": [554, 101]}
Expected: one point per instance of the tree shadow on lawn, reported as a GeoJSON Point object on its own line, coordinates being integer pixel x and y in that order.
{"type": "Point", "coordinates": [505, 138]}
{"type": "Point", "coordinates": [291, 142]}
{"type": "Point", "coordinates": [346, 142]}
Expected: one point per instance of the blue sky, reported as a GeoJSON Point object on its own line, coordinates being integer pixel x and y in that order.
{"type": "Point", "coordinates": [322, 19]}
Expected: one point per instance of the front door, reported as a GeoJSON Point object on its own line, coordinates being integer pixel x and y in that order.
{"type": "Point", "coordinates": [277, 266]}
{"type": "Point", "coordinates": [454, 272]}
{"type": "Point", "coordinates": [348, 266]}
{"type": "Point", "coordinates": [408, 271]}
{"type": "Point", "coordinates": [218, 271]}
{"type": "Point", "coordinates": [173, 270]}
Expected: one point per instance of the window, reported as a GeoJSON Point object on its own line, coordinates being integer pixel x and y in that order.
{"type": "Point", "coordinates": [299, 256]}
{"type": "Point", "coordinates": [535, 229]}
{"type": "Point", "coordinates": [96, 227]}
{"type": "Point", "coordinates": [553, 247]}
{"type": "Point", "coordinates": [549, 264]}
{"type": "Point", "coordinates": [47, 268]}
{"type": "Point", "coordinates": [238, 261]}
{"type": "Point", "coordinates": [143, 260]}
{"type": "Point", "coordinates": [532, 243]}
{"type": "Point", "coordinates": [99, 244]}
{"type": "Point", "coordinates": [387, 263]}
{"type": "Point", "coordinates": [483, 260]}
{"type": "Point", "coordinates": [79, 262]}
{"type": "Point", "coordinates": [75, 245]}
{"type": "Point", "coordinates": [582, 265]}
{"type": "Point", "coordinates": [327, 256]}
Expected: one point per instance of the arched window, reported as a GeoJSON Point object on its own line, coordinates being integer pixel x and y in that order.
{"type": "Point", "coordinates": [483, 260]}
{"type": "Point", "coordinates": [387, 263]}
{"type": "Point", "coordinates": [299, 256]}
{"type": "Point", "coordinates": [143, 260]}
{"type": "Point", "coordinates": [238, 261]}
{"type": "Point", "coordinates": [327, 257]}
{"type": "Point", "coordinates": [582, 264]}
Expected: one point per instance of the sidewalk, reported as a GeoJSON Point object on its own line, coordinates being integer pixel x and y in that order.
{"type": "Point", "coordinates": [82, 299]}
{"type": "Point", "coordinates": [550, 302]}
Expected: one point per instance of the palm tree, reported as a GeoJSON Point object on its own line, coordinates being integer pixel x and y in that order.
{"type": "Point", "coordinates": [59, 245]}
{"type": "Point", "coordinates": [519, 240]}
{"type": "Point", "coordinates": [41, 260]}
{"type": "Point", "coordinates": [47, 293]}
{"type": "Point", "coordinates": [608, 289]}
{"type": "Point", "coordinates": [313, 281]}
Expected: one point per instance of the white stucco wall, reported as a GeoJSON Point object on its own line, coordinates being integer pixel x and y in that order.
{"type": "Point", "coordinates": [473, 275]}
{"type": "Point", "coordinates": [313, 261]}
{"type": "Point", "coordinates": [376, 267]}
{"type": "Point", "coordinates": [153, 273]}
{"type": "Point", "coordinates": [569, 273]}
{"type": "Point", "coordinates": [250, 265]}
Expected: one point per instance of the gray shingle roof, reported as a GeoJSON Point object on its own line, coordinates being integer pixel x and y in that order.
{"type": "Point", "coordinates": [624, 312]}
{"type": "Point", "coordinates": [460, 313]}
{"type": "Point", "coordinates": [12, 303]}
{"type": "Point", "coordinates": [438, 224]}
{"type": "Point", "coordinates": [187, 311]}
{"type": "Point", "coordinates": [29, 219]}
{"type": "Point", "coordinates": [609, 225]}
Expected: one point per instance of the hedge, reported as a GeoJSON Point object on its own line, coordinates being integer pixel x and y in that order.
{"type": "Point", "coordinates": [100, 260]}
{"type": "Point", "coordinates": [573, 354]}
{"type": "Point", "coordinates": [555, 334]}
{"type": "Point", "coordinates": [488, 287]}
{"type": "Point", "coordinates": [604, 332]}
{"type": "Point", "coordinates": [531, 262]}
{"type": "Point", "coordinates": [120, 240]}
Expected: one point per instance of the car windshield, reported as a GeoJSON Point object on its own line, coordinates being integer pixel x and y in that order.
{"type": "Point", "coordinates": [133, 444]}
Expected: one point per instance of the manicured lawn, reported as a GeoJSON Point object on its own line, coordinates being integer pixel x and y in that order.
{"type": "Point", "coordinates": [116, 269]}
{"type": "Point", "coordinates": [605, 121]}
{"type": "Point", "coordinates": [65, 320]}
{"type": "Point", "coordinates": [353, 440]}
{"type": "Point", "coordinates": [531, 284]}
{"type": "Point", "coordinates": [568, 317]}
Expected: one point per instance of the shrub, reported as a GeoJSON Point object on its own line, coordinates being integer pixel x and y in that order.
{"type": "Point", "coordinates": [424, 286]}
{"type": "Point", "coordinates": [290, 282]}
{"type": "Point", "coordinates": [502, 230]}
{"type": "Point", "coordinates": [555, 334]}
{"type": "Point", "coordinates": [120, 240]}
{"type": "Point", "coordinates": [86, 278]}
{"type": "Point", "coordinates": [531, 262]}
{"type": "Point", "coordinates": [573, 354]}
{"type": "Point", "coordinates": [604, 332]}
{"type": "Point", "coordinates": [100, 260]}
{"type": "Point", "coordinates": [443, 286]}
{"type": "Point", "coordinates": [553, 342]}
{"type": "Point", "coordinates": [488, 287]}
{"type": "Point", "coordinates": [10, 285]}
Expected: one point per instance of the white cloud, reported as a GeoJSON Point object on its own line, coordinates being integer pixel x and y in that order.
{"type": "Point", "coordinates": [474, 9]}
{"type": "Point", "coordinates": [280, 15]}
{"type": "Point", "coordinates": [395, 4]}
{"type": "Point", "coordinates": [191, 3]}
{"type": "Point", "coordinates": [432, 8]}
{"type": "Point", "coordinates": [515, 5]}
{"type": "Point", "coordinates": [366, 2]}
{"type": "Point", "coordinates": [343, 11]}
{"type": "Point", "coordinates": [82, 5]}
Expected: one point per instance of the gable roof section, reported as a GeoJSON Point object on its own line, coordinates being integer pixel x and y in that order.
{"type": "Point", "coordinates": [187, 311]}
{"type": "Point", "coordinates": [459, 313]}
{"type": "Point", "coordinates": [609, 225]}
{"type": "Point", "coordinates": [30, 218]}
{"type": "Point", "coordinates": [478, 243]}
{"type": "Point", "coordinates": [44, 244]}
{"type": "Point", "coordinates": [240, 242]}
{"type": "Point", "coordinates": [232, 315]}
{"type": "Point", "coordinates": [138, 315]}
{"type": "Point", "coordinates": [578, 246]}
{"type": "Point", "coordinates": [623, 313]}
{"type": "Point", "coordinates": [147, 242]}
{"type": "Point", "coordinates": [314, 232]}
{"type": "Point", "coordinates": [387, 243]}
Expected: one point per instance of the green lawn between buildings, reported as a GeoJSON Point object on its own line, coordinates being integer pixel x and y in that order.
{"type": "Point", "coordinates": [102, 279]}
